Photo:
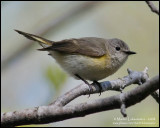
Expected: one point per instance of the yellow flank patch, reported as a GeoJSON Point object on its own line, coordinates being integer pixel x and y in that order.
{"type": "Point", "coordinates": [101, 62]}
{"type": "Point", "coordinates": [41, 40]}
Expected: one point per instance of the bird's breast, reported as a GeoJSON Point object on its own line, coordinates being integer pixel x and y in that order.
{"type": "Point", "coordinates": [89, 68]}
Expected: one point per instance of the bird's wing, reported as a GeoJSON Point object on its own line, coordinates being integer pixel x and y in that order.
{"type": "Point", "coordinates": [89, 46]}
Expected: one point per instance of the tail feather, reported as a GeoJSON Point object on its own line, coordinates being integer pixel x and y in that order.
{"type": "Point", "coordinates": [43, 42]}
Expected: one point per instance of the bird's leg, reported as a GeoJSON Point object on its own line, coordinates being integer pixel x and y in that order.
{"type": "Point", "coordinates": [86, 82]}
{"type": "Point", "coordinates": [99, 85]}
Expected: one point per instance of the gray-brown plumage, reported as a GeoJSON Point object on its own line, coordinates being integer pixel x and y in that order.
{"type": "Point", "coordinates": [89, 46]}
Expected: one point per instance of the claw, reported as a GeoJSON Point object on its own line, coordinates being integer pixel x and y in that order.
{"type": "Point", "coordinates": [86, 82]}
{"type": "Point", "coordinates": [90, 89]}
{"type": "Point", "coordinates": [99, 85]}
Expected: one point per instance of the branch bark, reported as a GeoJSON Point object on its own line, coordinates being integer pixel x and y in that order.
{"type": "Point", "coordinates": [134, 77]}
{"type": "Point", "coordinates": [59, 110]}
{"type": "Point", "coordinates": [155, 94]}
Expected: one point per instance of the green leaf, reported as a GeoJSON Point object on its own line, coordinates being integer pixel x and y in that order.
{"type": "Point", "coordinates": [56, 76]}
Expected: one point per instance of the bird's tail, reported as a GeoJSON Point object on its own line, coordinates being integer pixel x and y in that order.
{"type": "Point", "coordinates": [43, 42]}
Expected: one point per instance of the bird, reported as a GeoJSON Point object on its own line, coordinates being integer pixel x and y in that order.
{"type": "Point", "coordinates": [86, 58]}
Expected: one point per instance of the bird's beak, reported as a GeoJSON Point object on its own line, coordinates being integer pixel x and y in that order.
{"type": "Point", "coordinates": [130, 52]}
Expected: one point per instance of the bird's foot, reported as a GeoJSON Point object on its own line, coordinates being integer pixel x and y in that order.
{"type": "Point", "coordinates": [99, 85]}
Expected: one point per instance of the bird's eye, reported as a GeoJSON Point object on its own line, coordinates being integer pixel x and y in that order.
{"type": "Point", "coordinates": [118, 48]}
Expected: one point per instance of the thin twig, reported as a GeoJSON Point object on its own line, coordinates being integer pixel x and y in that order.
{"type": "Point", "coordinates": [155, 94]}
{"type": "Point", "coordinates": [152, 7]}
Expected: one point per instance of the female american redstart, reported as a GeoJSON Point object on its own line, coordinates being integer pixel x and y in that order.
{"type": "Point", "coordinates": [88, 58]}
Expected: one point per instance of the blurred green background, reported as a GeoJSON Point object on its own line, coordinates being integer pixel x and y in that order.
{"type": "Point", "coordinates": [31, 78]}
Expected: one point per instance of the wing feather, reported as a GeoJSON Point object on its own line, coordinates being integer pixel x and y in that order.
{"type": "Point", "coordinates": [89, 46]}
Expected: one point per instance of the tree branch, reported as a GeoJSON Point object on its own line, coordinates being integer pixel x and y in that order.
{"type": "Point", "coordinates": [134, 77]}
{"type": "Point", "coordinates": [152, 7]}
{"type": "Point", "coordinates": [155, 94]}
{"type": "Point", "coordinates": [59, 110]}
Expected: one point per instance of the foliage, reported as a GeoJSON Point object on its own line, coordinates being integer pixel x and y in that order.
{"type": "Point", "coordinates": [56, 76]}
